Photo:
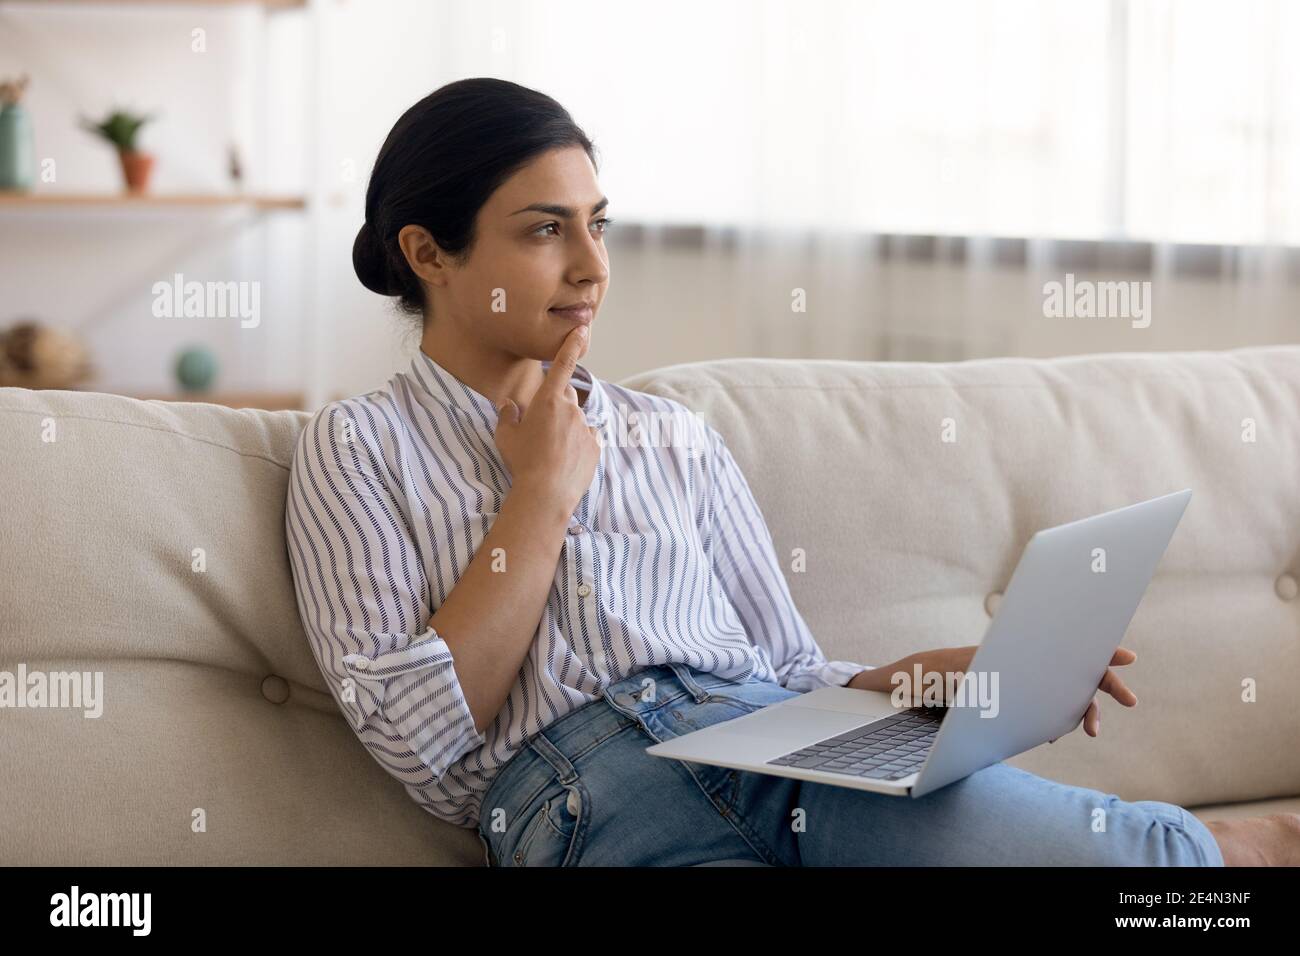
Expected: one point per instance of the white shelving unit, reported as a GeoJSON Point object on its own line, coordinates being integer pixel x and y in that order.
{"type": "Point", "coordinates": [105, 207]}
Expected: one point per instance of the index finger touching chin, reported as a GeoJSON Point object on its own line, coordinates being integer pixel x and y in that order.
{"type": "Point", "coordinates": [562, 367]}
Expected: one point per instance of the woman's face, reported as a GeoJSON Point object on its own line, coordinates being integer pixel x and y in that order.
{"type": "Point", "coordinates": [540, 245]}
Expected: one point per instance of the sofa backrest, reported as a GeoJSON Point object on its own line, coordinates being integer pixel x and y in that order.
{"type": "Point", "coordinates": [145, 541]}
{"type": "Point", "coordinates": [912, 489]}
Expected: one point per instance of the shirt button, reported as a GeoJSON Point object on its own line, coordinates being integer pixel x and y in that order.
{"type": "Point", "coordinates": [575, 529]}
{"type": "Point", "coordinates": [361, 664]}
{"type": "Point", "coordinates": [584, 589]}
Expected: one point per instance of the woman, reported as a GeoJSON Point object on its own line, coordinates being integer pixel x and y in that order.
{"type": "Point", "coordinates": [510, 606]}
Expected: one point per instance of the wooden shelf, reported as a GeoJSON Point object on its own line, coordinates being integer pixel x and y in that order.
{"type": "Point", "coordinates": [14, 199]}
{"type": "Point", "coordinates": [269, 401]}
{"type": "Point", "coordinates": [269, 4]}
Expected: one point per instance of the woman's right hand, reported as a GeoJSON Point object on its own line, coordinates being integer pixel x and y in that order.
{"type": "Point", "coordinates": [548, 445]}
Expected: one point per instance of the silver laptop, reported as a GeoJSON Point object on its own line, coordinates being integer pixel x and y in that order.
{"type": "Point", "coordinates": [1064, 613]}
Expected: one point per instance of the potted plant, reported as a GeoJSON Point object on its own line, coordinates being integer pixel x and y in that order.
{"type": "Point", "coordinates": [120, 129]}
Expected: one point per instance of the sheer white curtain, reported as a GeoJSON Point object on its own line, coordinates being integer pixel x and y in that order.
{"type": "Point", "coordinates": [910, 173]}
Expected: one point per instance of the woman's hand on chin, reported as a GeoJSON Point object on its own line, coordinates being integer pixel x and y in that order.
{"type": "Point", "coordinates": [548, 447]}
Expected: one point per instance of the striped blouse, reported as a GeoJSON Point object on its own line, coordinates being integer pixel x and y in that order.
{"type": "Point", "coordinates": [667, 560]}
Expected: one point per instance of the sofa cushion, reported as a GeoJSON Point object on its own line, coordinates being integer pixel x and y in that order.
{"type": "Point", "coordinates": [213, 702]}
{"type": "Point", "coordinates": [99, 567]}
{"type": "Point", "coordinates": [909, 539]}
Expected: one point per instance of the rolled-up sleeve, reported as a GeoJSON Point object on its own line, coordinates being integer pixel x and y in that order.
{"type": "Point", "coordinates": [744, 560]}
{"type": "Point", "coordinates": [364, 600]}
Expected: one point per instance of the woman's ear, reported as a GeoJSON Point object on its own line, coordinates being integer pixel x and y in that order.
{"type": "Point", "coordinates": [422, 254]}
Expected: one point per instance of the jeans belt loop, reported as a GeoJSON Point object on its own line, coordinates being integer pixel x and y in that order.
{"type": "Point", "coordinates": [564, 770]}
{"type": "Point", "coordinates": [689, 682]}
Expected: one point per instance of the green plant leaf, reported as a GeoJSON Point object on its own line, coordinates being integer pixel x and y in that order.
{"type": "Point", "coordinates": [119, 128]}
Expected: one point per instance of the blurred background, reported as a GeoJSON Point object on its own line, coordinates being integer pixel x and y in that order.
{"type": "Point", "coordinates": [814, 179]}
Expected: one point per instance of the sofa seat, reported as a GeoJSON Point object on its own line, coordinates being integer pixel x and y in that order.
{"type": "Point", "coordinates": [145, 540]}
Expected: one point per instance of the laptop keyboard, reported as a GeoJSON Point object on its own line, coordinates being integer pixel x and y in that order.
{"type": "Point", "coordinates": [886, 749]}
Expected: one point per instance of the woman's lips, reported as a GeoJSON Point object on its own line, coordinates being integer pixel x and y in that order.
{"type": "Point", "coordinates": [582, 314]}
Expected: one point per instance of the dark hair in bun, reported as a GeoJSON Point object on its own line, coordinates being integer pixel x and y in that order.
{"type": "Point", "coordinates": [441, 161]}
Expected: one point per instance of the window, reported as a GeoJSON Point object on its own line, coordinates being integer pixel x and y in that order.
{"type": "Point", "coordinates": [1128, 119]}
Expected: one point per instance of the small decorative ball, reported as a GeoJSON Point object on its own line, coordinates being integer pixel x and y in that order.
{"type": "Point", "coordinates": [33, 355]}
{"type": "Point", "coordinates": [196, 368]}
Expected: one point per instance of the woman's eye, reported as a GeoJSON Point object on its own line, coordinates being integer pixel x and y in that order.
{"type": "Point", "coordinates": [603, 223]}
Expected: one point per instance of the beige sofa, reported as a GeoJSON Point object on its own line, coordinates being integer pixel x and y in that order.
{"type": "Point", "coordinates": [214, 710]}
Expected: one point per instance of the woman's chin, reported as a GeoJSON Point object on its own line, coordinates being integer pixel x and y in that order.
{"type": "Point", "coordinates": [565, 329]}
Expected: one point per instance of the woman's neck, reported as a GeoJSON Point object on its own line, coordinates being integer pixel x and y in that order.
{"type": "Point", "coordinates": [495, 374]}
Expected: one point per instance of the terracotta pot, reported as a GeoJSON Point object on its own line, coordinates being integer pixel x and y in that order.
{"type": "Point", "coordinates": [136, 167]}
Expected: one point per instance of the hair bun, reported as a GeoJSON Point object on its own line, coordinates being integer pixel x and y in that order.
{"type": "Point", "coordinates": [370, 262]}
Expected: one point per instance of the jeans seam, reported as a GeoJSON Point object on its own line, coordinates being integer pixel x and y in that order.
{"type": "Point", "coordinates": [746, 832]}
{"type": "Point", "coordinates": [728, 797]}
{"type": "Point", "coordinates": [546, 822]}
{"type": "Point", "coordinates": [526, 838]}
{"type": "Point", "coordinates": [1201, 856]}
{"type": "Point", "coordinates": [623, 727]}
{"type": "Point", "coordinates": [734, 819]}
{"type": "Point", "coordinates": [745, 705]}
{"type": "Point", "coordinates": [661, 704]}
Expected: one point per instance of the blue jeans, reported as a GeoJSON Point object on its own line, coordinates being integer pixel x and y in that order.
{"type": "Point", "coordinates": [585, 793]}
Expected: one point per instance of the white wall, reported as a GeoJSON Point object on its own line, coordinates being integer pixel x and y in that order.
{"type": "Point", "coordinates": [335, 79]}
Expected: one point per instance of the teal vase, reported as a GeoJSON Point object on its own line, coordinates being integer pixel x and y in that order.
{"type": "Point", "coordinates": [196, 369]}
{"type": "Point", "coordinates": [17, 154]}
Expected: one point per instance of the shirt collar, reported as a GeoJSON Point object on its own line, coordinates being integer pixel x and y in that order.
{"type": "Point", "coordinates": [449, 390]}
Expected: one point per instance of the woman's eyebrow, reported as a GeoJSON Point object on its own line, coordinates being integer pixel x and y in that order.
{"type": "Point", "coordinates": [564, 212]}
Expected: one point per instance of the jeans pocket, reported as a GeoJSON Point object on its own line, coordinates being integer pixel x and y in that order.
{"type": "Point", "coordinates": [553, 835]}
